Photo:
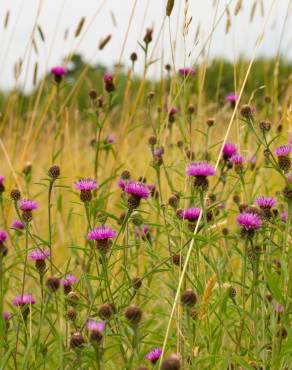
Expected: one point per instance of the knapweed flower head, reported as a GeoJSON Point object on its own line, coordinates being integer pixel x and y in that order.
{"type": "Point", "coordinates": [191, 214]}
{"type": "Point", "coordinates": [142, 232]}
{"type": "Point", "coordinates": [283, 150]}
{"type": "Point", "coordinates": [187, 71]}
{"type": "Point", "coordinates": [200, 170]}
{"type": "Point", "coordinates": [6, 316]}
{"type": "Point", "coordinates": [121, 184]}
{"type": "Point", "coordinates": [17, 224]}
{"type": "Point", "coordinates": [102, 235]}
{"type": "Point", "coordinates": [110, 139]}
{"type": "Point", "coordinates": [59, 71]}
{"type": "Point", "coordinates": [237, 159]}
{"type": "Point", "coordinates": [229, 150]}
{"type": "Point", "coordinates": [69, 280]}
{"type": "Point", "coordinates": [39, 254]}
{"type": "Point", "coordinates": [284, 216]}
{"type": "Point", "coordinates": [231, 97]}
{"type": "Point", "coordinates": [101, 232]}
{"type": "Point", "coordinates": [3, 236]}
{"type": "Point", "coordinates": [93, 325]}
{"type": "Point", "coordinates": [249, 222]}
{"type": "Point", "coordinates": [108, 80]}
{"type": "Point", "coordinates": [265, 202]}
{"type": "Point", "coordinates": [27, 205]}
{"type": "Point", "coordinates": [85, 184]}
{"type": "Point", "coordinates": [2, 186]}
{"type": "Point", "coordinates": [137, 191]}
{"type": "Point", "coordinates": [22, 300]}
{"type": "Point", "coordinates": [154, 355]}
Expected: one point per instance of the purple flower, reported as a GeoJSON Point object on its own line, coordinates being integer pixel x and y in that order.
{"type": "Point", "coordinates": [138, 189]}
{"type": "Point", "coordinates": [39, 254]}
{"type": "Point", "coordinates": [27, 205]}
{"type": "Point", "coordinates": [187, 71]}
{"type": "Point", "coordinates": [283, 151]}
{"type": "Point", "coordinates": [154, 355]}
{"type": "Point", "coordinates": [173, 111]}
{"type": "Point", "coordinates": [142, 232]}
{"type": "Point", "coordinates": [190, 214]}
{"type": "Point", "coordinates": [69, 280]}
{"type": "Point", "coordinates": [158, 152]}
{"type": "Point", "coordinates": [6, 316]}
{"type": "Point", "coordinates": [110, 139]}
{"type": "Point", "coordinates": [3, 236]}
{"type": "Point", "coordinates": [278, 307]}
{"type": "Point", "coordinates": [265, 202]}
{"type": "Point", "coordinates": [101, 233]}
{"type": "Point", "coordinates": [17, 224]}
{"type": "Point", "coordinates": [200, 169]}
{"type": "Point", "coordinates": [59, 71]}
{"type": "Point", "coordinates": [229, 150]}
{"type": "Point", "coordinates": [23, 300]}
{"type": "Point", "coordinates": [151, 187]}
{"type": "Point", "coordinates": [108, 78]}
{"type": "Point", "coordinates": [231, 97]}
{"type": "Point", "coordinates": [2, 179]}
{"type": "Point", "coordinates": [85, 184]}
{"type": "Point", "coordinates": [237, 159]}
{"type": "Point", "coordinates": [249, 221]}
{"type": "Point", "coordinates": [121, 184]}
{"type": "Point", "coordinates": [93, 325]}
{"type": "Point", "coordinates": [284, 216]}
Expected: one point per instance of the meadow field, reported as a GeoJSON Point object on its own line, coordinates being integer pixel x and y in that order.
{"type": "Point", "coordinates": [145, 222]}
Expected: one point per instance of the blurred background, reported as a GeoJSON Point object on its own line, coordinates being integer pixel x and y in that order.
{"type": "Point", "coordinates": [43, 33]}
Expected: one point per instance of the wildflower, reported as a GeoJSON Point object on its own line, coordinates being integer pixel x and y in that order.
{"type": "Point", "coordinates": [58, 72]}
{"type": "Point", "coordinates": [247, 111]}
{"type": "Point", "coordinates": [142, 232]}
{"type": "Point", "coordinates": [2, 186]}
{"type": "Point", "coordinates": [200, 170]}
{"type": "Point", "coordinates": [86, 186]}
{"type": "Point", "coordinates": [136, 283]}
{"type": "Point", "coordinates": [54, 172]}
{"type": "Point", "coordinates": [106, 311]}
{"type": "Point", "coordinates": [278, 307]}
{"type": "Point", "coordinates": [154, 355]}
{"type": "Point", "coordinates": [108, 80]}
{"type": "Point", "coordinates": [67, 283]}
{"type": "Point", "coordinates": [284, 216]}
{"type": "Point", "coordinates": [93, 325]}
{"type": "Point", "coordinates": [148, 36]}
{"type": "Point", "coordinates": [171, 363]}
{"type": "Point", "coordinates": [190, 214]}
{"type": "Point", "coordinates": [283, 152]}
{"type": "Point", "coordinates": [39, 256]}
{"type": "Point", "coordinates": [110, 139]}
{"type": "Point", "coordinates": [173, 200]}
{"type": "Point", "coordinates": [188, 298]}
{"type": "Point", "coordinates": [187, 71]}
{"type": "Point", "coordinates": [22, 300]}
{"type": "Point", "coordinates": [102, 235]}
{"type": "Point", "coordinates": [53, 283]}
{"type": "Point", "coordinates": [27, 206]}
{"type": "Point", "coordinates": [77, 341]}
{"type": "Point", "coordinates": [171, 115]}
{"type": "Point", "coordinates": [133, 314]}
{"type": "Point", "coordinates": [231, 98]}
{"type": "Point", "coordinates": [237, 160]}
{"type": "Point", "coordinates": [15, 194]}
{"type": "Point", "coordinates": [136, 191]}
{"type": "Point", "coordinates": [265, 202]}
{"type": "Point", "coordinates": [265, 125]}
{"type": "Point", "coordinates": [17, 225]}
{"type": "Point", "coordinates": [229, 150]}
{"type": "Point", "coordinates": [250, 222]}
{"type": "Point", "coordinates": [3, 236]}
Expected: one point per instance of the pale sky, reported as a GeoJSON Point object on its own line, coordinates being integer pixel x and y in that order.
{"type": "Point", "coordinates": [55, 16]}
